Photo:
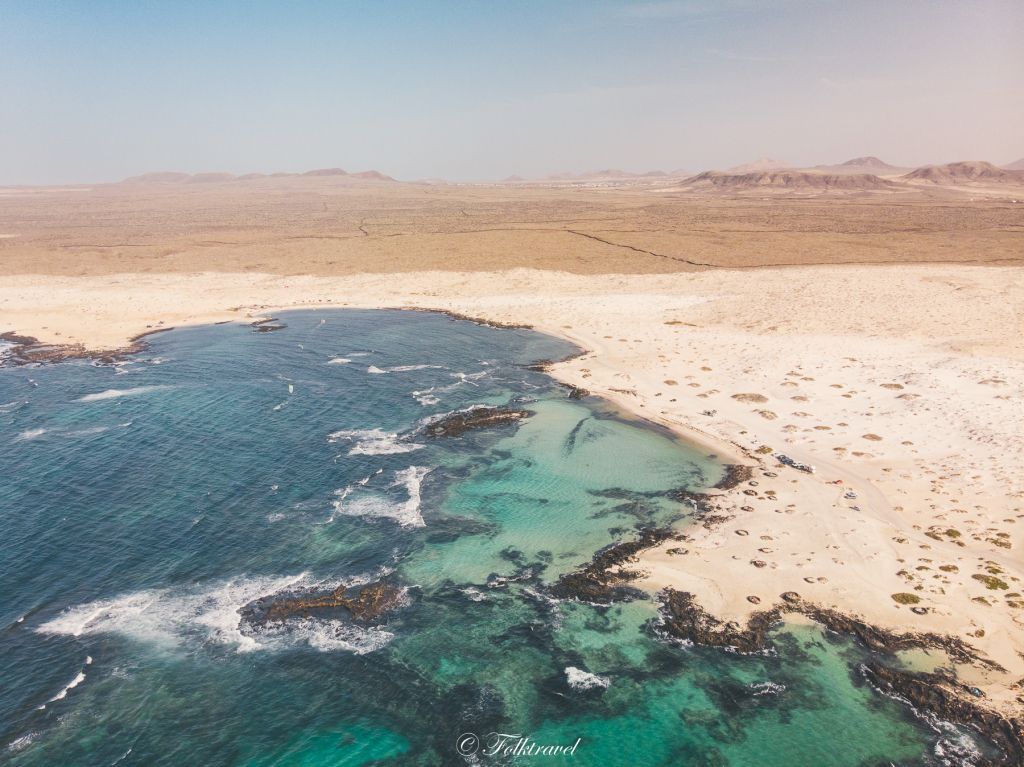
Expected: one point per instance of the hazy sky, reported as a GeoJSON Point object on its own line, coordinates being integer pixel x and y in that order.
{"type": "Point", "coordinates": [93, 90]}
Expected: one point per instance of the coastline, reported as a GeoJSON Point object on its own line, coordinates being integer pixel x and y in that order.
{"type": "Point", "coordinates": [836, 552]}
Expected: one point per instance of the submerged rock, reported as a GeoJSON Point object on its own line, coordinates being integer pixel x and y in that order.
{"type": "Point", "coordinates": [938, 694]}
{"type": "Point", "coordinates": [454, 424]}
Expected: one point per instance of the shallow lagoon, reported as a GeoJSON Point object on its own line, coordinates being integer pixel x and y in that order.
{"type": "Point", "coordinates": [146, 502]}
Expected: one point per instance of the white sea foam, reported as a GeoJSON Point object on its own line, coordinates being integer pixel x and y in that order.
{"type": "Point", "coordinates": [61, 432]}
{"type": "Point", "coordinates": [431, 419]}
{"type": "Point", "coordinates": [79, 678]}
{"type": "Point", "coordinates": [400, 368]}
{"type": "Point", "coordinates": [19, 743]}
{"type": "Point", "coordinates": [408, 368]}
{"type": "Point", "coordinates": [374, 504]}
{"type": "Point", "coordinates": [176, 617]}
{"type": "Point", "coordinates": [170, 617]}
{"type": "Point", "coordinates": [115, 393]}
{"type": "Point", "coordinates": [338, 361]}
{"type": "Point", "coordinates": [426, 398]}
{"type": "Point", "coordinates": [579, 679]}
{"type": "Point", "coordinates": [327, 636]}
{"type": "Point", "coordinates": [767, 688]}
{"type": "Point", "coordinates": [85, 432]}
{"type": "Point", "coordinates": [373, 442]}
{"type": "Point", "coordinates": [469, 378]}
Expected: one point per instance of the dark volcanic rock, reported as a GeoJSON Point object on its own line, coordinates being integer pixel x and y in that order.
{"type": "Point", "coordinates": [478, 418]}
{"type": "Point", "coordinates": [735, 473]}
{"type": "Point", "coordinates": [267, 326]}
{"type": "Point", "coordinates": [938, 694]}
{"type": "Point", "coordinates": [948, 699]}
{"type": "Point", "coordinates": [363, 604]}
{"type": "Point", "coordinates": [595, 582]}
{"type": "Point", "coordinates": [28, 350]}
{"type": "Point", "coordinates": [683, 618]}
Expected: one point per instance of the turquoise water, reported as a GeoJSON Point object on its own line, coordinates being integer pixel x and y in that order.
{"type": "Point", "coordinates": [145, 503]}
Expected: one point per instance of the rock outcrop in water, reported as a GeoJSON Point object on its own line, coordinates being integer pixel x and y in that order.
{"type": "Point", "coordinates": [598, 582]}
{"type": "Point", "coordinates": [943, 696]}
{"type": "Point", "coordinates": [27, 350]}
{"type": "Point", "coordinates": [268, 325]}
{"type": "Point", "coordinates": [455, 424]}
{"type": "Point", "coordinates": [938, 694]}
{"type": "Point", "coordinates": [364, 604]}
{"type": "Point", "coordinates": [683, 618]}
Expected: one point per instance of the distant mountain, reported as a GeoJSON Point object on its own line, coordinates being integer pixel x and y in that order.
{"type": "Point", "coordinates": [163, 177]}
{"type": "Point", "coordinates": [213, 178]}
{"type": "Point", "coordinates": [371, 175]}
{"type": "Point", "coordinates": [209, 178]}
{"type": "Point", "coordinates": [513, 179]}
{"type": "Point", "coordinates": [868, 162]}
{"type": "Point", "coordinates": [973, 171]}
{"type": "Point", "coordinates": [606, 174]}
{"type": "Point", "coordinates": [790, 180]}
{"type": "Point", "coordinates": [326, 172]}
{"type": "Point", "coordinates": [764, 164]}
{"type": "Point", "coordinates": [1019, 165]}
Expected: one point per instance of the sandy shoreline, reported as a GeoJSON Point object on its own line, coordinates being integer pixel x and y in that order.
{"type": "Point", "coordinates": [902, 383]}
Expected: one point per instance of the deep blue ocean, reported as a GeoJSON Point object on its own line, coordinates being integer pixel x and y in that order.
{"type": "Point", "coordinates": [145, 504]}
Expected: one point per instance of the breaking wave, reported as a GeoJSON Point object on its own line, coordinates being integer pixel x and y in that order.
{"type": "Point", "coordinates": [579, 679]}
{"type": "Point", "coordinates": [373, 442]}
{"type": "Point", "coordinates": [115, 393]}
{"type": "Point", "coordinates": [376, 504]}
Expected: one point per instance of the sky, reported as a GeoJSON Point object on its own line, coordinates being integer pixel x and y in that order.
{"type": "Point", "coordinates": [98, 90]}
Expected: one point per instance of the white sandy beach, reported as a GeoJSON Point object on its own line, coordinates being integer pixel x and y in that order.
{"type": "Point", "coordinates": [903, 382]}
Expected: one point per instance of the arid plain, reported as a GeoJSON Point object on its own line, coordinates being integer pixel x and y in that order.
{"type": "Point", "coordinates": [877, 335]}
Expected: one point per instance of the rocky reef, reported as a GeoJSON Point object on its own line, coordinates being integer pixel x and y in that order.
{"type": "Point", "coordinates": [27, 350]}
{"type": "Point", "coordinates": [682, 618]}
{"type": "Point", "coordinates": [455, 424]}
{"type": "Point", "coordinates": [735, 474]}
{"type": "Point", "coordinates": [604, 580]}
{"type": "Point", "coordinates": [941, 695]}
{"type": "Point", "coordinates": [268, 325]}
{"type": "Point", "coordinates": [937, 694]}
{"type": "Point", "coordinates": [362, 604]}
